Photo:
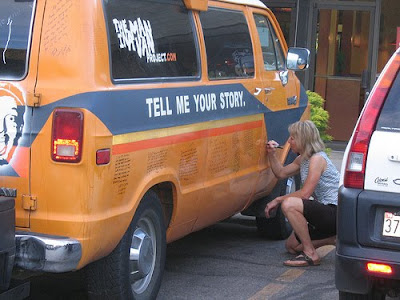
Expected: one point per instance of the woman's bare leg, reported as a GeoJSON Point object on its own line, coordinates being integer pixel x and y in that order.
{"type": "Point", "coordinates": [316, 243]}
{"type": "Point", "coordinates": [292, 244]}
{"type": "Point", "coordinates": [293, 209]}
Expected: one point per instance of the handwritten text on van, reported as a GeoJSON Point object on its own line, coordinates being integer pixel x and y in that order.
{"type": "Point", "coordinates": [199, 103]}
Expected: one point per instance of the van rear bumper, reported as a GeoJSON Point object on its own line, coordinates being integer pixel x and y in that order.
{"type": "Point", "coordinates": [37, 252]}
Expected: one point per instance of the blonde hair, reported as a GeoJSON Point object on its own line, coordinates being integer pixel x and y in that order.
{"type": "Point", "coordinates": [307, 137]}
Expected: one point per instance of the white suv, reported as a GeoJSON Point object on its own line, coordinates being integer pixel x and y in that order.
{"type": "Point", "coordinates": [368, 235]}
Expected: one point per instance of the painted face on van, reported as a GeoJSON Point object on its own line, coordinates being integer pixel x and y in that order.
{"type": "Point", "coordinates": [10, 126]}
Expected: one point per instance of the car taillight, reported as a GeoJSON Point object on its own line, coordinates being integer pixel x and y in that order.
{"type": "Point", "coordinates": [379, 268]}
{"type": "Point", "coordinates": [67, 135]}
{"type": "Point", "coordinates": [355, 168]}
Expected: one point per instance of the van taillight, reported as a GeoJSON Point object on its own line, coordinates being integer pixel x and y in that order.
{"type": "Point", "coordinates": [355, 168]}
{"type": "Point", "coordinates": [67, 135]}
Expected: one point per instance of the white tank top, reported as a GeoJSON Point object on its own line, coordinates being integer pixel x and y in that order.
{"type": "Point", "coordinates": [326, 190]}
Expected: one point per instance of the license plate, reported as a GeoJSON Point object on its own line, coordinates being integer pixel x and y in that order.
{"type": "Point", "coordinates": [391, 224]}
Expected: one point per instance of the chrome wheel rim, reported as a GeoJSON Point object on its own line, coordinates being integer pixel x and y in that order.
{"type": "Point", "coordinates": [142, 255]}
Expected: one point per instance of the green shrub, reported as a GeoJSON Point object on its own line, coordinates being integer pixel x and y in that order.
{"type": "Point", "coordinates": [319, 115]}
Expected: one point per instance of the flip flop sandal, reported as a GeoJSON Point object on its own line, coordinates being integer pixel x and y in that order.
{"type": "Point", "coordinates": [302, 260]}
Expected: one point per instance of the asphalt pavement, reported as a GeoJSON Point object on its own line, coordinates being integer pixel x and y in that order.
{"type": "Point", "coordinates": [336, 152]}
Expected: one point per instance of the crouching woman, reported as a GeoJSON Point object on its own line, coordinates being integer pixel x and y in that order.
{"type": "Point", "coordinates": [311, 211]}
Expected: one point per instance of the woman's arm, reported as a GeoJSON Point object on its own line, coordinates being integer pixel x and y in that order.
{"type": "Point", "coordinates": [279, 170]}
{"type": "Point", "coordinates": [316, 168]}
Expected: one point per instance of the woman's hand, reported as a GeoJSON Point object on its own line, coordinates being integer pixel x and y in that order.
{"type": "Point", "coordinates": [271, 146]}
{"type": "Point", "coordinates": [271, 206]}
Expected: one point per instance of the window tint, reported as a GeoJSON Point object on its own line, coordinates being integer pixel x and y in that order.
{"type": "Point", "coordinates": [150, 39]}
{"type": "Point", "coordinates": [228, 44]}
{"type": "Point", "coordinates": [15, 29]}
{"type": "Point", "coordinates": [271, 48]}
{"type": "Point", "coordinates": [389, 119]}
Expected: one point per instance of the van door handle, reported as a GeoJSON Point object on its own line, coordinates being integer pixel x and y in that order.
{"type": "Point", "coordinates": [266, 90]}
{"type": "Point", "coordinates": [269, 91]}
{"type": "Point", "coordinates": [257, 92]}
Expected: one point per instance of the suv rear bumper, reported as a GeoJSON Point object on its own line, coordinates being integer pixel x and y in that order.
{"type": "Point", "coordinates": [359, 240]}
{"type": "Point", "coordinates": [351, 274]}
{"type": "Point", "coordinates": [38, 252]}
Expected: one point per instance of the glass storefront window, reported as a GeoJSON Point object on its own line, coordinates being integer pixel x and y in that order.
{"type": "Point", "coordinates": [342, 42]}
{"type": "Point", "coordinates": [389, 33]}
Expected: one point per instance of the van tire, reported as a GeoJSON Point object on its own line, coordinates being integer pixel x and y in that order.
{"type": "Point", "coordinates": [109, 277]}
{"type": "Point", "coordinates": [278, 227]}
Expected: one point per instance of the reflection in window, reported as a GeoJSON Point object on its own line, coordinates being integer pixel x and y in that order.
{"type": "Point", "coordinates": [15, 29]}
{"type": "Point", "coordinates": [271, 48]}
{"type": "Point", "coordinates": [389, 118]}
{"type": "Point", "coordinates": [228, 44]}
{"type": "Point", "coordinates": [153, 40]}
{"type": "Point", "coordinates": [285, 20]}
{"type": "Point", "coordinates": [342, 43]}
{"type": "Point", "coordinates": [280, 58]}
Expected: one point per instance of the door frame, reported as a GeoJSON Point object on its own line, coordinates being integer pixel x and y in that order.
{"type": "Point", "coordinates": [373, 43]}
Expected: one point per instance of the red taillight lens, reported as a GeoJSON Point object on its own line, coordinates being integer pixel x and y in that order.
{"type": "Point", "coordinates": [67, 135]}
{"type": "Point", "coordinates": [379, 268]}
{"type": "Point", "coordinates": [355, 169]}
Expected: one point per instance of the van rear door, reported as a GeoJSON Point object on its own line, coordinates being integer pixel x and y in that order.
{"type": "Point", "coordinates": [18, 59]}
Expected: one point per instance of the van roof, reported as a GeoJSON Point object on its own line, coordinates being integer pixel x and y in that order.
{"type": "Point", "coordinates": [256, 3]}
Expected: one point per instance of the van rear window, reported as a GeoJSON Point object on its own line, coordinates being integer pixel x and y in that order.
{"type": "Point", "coordinates": [150, 39]}
{"type": "Point", "coordinates": [389, 119]}
{"type": "Point", "coordinates": [15, 31]}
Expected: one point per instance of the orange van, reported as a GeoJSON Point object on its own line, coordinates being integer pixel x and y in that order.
{"type": "Point", "coordinates": [128, 124]}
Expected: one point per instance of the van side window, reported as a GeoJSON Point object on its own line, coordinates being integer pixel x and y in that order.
{"type": "Point", "coordinates": [271, 48]}
{"type": "Point", "coordinates": [15, 31]}
{"type": "Point", "coordinates": [150, 39]}
{"type": "Point", "coordinates": [228, 44]}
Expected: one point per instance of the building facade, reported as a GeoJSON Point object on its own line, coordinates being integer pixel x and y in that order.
{"type": "Point", "coordinates": [350, 43]}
